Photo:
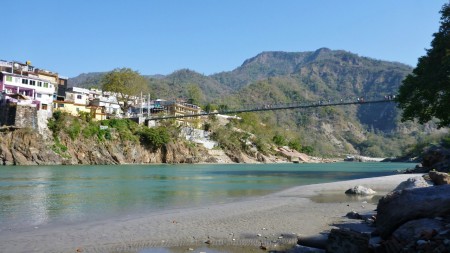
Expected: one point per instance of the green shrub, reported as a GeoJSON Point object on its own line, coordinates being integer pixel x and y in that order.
{"type": "Point", "coordinates": [125, 127]}
{"type": "Point", "coordinates": [57, 122]}
{"type": "Point", "coordinates": [295, 144]}
{"type": "Point", "coordinates": [279, 140]}
{"type": "Point", "coordinates": [154, 137]}
{"type": "Point", "coordinates": [308, 150]}
{"type": "Point", "coordinates": [446, 141]}
{"type": "Point", "coordinates": [92, 129]}
{"type": "Point", "coordinates": [85, 116]}
{"type": "Point", "coordinates": [74, 129]}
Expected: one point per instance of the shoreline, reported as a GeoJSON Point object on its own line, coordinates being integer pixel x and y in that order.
{"type": "Point", "coordinates": [276, 218]}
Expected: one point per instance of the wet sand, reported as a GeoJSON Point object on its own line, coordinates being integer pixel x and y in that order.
{"type": "Point", "coordinates": [274, 220]}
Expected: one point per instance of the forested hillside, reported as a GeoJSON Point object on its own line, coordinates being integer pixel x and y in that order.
{"type": "Point", "coordinates": [285, 77]}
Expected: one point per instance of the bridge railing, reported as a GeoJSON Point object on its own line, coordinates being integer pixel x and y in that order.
{"type": "Point", "coordinates": [285, 106]}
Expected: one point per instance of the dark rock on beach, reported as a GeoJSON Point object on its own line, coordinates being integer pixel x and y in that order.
{"type": "Point", "coordinates": [415, 217]}
{"type": "Point", "coordinates": [400, 207]}
{"type": "Point", "coordinates": [347, 241]}
{"type": "Point", "coordinates": [439, 178]}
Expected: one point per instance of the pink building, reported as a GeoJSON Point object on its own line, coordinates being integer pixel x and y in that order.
{"type": "Point", "coordinates": [37, 85]}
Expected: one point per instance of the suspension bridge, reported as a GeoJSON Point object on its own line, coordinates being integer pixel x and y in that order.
{"type": "Point", "coordinates": [275, 107]}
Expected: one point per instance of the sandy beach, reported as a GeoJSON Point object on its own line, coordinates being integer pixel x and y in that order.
{"type": "Point", "coordinates": [273, 219]}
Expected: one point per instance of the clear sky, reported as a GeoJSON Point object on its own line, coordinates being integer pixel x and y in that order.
{"type": "Point", "coordinates": [209, 36]}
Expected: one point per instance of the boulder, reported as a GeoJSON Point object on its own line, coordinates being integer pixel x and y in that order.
{"type": "Point", "coordinates": [399, 207]}
{"type": "Point", "coordinates": [418, 229]}
{"type": "Point", "coordinates": [412, 183]}
{"type": "Point", "coordinates": [354, 215]}
{"type": "Point", "coordinates": [439, 178]}
{"type": "Point", "coordinates": [347, 241]}
{"type": "Point", "coordinates": [316, 241]}
{"type": "Point", "coordinates": [360, 190]}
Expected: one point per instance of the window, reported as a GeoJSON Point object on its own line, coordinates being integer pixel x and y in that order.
{"type": "Point", "coordinates": [16, 80]}
{"type": "Point", "coordinates": [45, 85]}
{"type": "Point", "coordinates": [24, 81]}
{"type": "Point", "coordinates": [32, 82]}
{"type": "Point", "coordinates": [78, 109]}
{"type": "Point", "coordinates": [60, 105]}
{"type": "Point", "coordinates": [9, 78]}
{"type": "Point", "coordinates": [39, 84]}
{"type": "Point", "coordinates": [79, 96]}
{"type": "Point", "coordinates": [44, 107]}
{"type": "Point", "coordinates": [38, 95]}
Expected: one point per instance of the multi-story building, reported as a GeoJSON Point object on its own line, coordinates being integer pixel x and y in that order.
{"type": "Point", "coordinates": [110, 103]}
{"type": "Point", "coordinates": [35, 84]}
{"type": "Point", "coordinates": [181, 108]}
{"type": "Point", "coordinates": [78, 95]}
{"type": "Point", "coordinates": [61, 88]}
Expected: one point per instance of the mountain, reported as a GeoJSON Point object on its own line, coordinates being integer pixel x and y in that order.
{"type": "Point", "coordinates": [86, 80]}
{"type": "Point", "coordinates": [332, 67]}
{"type": "Point", "coordinates": [174, 85]}
{"type": "Point", "coordinates": [288, 77]}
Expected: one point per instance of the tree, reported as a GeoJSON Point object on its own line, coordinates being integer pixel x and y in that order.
{"type": "Point", "coordinates": [425, 93]}
{"type": "Point", "coordinates": [126, 84]}
{"type": "Point", "coordinates": [195, 94]}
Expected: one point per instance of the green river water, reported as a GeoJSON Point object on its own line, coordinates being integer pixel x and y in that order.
{"type": "Point", "coordinates": [50, 195]}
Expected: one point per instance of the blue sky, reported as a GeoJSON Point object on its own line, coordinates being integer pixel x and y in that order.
{"type": "Point", "coordinates": [208, 36]}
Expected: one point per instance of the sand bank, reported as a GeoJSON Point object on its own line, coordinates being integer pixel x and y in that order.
{"type": "Point", "coordinates": [273, 219]}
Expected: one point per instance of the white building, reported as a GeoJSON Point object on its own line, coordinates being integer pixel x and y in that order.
{"type": "Point", "coordinates": [35, 84]}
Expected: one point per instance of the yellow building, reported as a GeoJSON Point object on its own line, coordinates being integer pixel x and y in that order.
{"type": "Point", "coordinates": [176, 108]}
{"type": "Point", "coordinates": [96, 112]}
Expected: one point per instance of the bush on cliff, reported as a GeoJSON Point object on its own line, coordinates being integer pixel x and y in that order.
{"type": "Point", "coordinates": [117, 129]}
{"type": "Point", "coordinates": [154, 137]}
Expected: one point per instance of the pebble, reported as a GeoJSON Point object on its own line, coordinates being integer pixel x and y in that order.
{"type": "Point", "coordinates": [421, 242]}
{"type": "Point", "coordinates": [259, 235]}
{"type": "Point", "coordinates": [280, 237]}
{"type": "Point", "coordinates": [191, 249]}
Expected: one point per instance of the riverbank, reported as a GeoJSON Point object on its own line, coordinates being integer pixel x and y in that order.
{"type": "Point", "coordinates": [275, 219]}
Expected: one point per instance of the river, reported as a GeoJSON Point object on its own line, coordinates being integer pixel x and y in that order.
{"type": "Point", "coordinates": [39, 196]}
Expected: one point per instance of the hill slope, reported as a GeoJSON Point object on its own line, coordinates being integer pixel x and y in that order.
{"type": "Point", "coordinates": [324, 74]}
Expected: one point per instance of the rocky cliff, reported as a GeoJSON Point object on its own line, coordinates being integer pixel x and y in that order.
{"type": "Point", "coordinates": [25, 147]}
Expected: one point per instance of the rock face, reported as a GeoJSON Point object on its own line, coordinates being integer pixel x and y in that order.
{"type": "Point", "coordinates": [360, 190]}
{"type": "Point", "coordinates": [26, 147]}
{"type": "Point", "coordinates": [399, 207]}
